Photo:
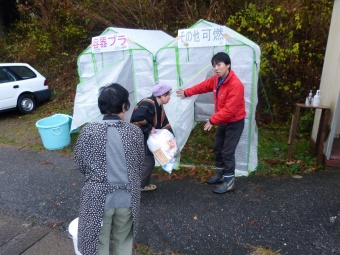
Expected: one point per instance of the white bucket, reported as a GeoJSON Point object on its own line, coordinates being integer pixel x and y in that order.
{"type": "Point", "coordinates": [73, 232]}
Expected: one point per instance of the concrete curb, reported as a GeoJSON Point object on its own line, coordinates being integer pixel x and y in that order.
{"type": "Point", "coordinates": [18, 236]}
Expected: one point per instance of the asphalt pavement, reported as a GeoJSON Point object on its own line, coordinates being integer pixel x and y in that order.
{"type": "Point", "coordinates": [300, 215]}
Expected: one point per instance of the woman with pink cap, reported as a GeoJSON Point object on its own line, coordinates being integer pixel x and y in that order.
{"type": "Point", "coordinates": [149, 115]}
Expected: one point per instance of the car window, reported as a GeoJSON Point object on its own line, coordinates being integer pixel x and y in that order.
{"type": "Point", "coordinates": [5, 76]}
{"type": "Point", "coordinates": [22, 72]}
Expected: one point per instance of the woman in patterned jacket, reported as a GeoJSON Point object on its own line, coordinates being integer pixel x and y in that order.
{"type": "Point", "coordinates": [110, 154]}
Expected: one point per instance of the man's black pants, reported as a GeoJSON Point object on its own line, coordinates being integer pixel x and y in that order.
{"type": "Point", "coordinates": [227, 138]}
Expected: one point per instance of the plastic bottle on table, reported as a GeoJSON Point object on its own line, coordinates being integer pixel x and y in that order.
{"type": "Point", "coordinates": [317, 99]}
{"type": "Point", "coordinates": [309, 99]}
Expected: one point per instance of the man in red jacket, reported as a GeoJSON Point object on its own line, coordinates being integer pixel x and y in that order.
{"type": "Point", "coordinates": [229, 116]}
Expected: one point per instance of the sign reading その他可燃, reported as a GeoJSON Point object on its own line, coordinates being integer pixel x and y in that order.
{"type": "Point", "coordinates": [201, 37]}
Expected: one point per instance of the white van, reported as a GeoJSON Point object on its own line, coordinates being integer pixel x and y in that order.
{"type": "Point", "coordinates": [21, 87]}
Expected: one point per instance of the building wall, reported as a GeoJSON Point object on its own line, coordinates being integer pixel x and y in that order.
{"type": "Point", "coordinates": [330, 79]}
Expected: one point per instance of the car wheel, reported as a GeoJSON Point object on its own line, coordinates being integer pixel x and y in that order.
{"type": "Point", "coordinates": [26, 103]}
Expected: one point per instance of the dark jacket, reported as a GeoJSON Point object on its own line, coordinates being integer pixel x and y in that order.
{"type": "Point", "coordinates": [148, 114]}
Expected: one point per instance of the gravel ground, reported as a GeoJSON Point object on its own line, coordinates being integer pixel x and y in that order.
{"type": "Point", "coordinates": [290, 215]}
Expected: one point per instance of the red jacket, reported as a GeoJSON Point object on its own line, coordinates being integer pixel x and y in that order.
{"type": "Point", "coordinates": [229, 101]}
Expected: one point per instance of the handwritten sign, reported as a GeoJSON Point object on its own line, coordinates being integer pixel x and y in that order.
{"type": "Point", "coordinates": [201, 37]}
{"type": "Point", "coordinates": [105, 43]}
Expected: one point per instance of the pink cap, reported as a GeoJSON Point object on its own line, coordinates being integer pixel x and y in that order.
{"type": "Point", "coordinates": [160, 89]}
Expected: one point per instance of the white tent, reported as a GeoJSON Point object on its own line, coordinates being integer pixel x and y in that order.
{"type": "Point", "coordinates": [133, 67]}
{"type": "Point", "coordinates": [154, 55]}
{"type": "Point", "coordinates": [188, 66]}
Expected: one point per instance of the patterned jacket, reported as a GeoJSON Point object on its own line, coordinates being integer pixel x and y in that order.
{"type": "Point", "coordinates": [90, 159]}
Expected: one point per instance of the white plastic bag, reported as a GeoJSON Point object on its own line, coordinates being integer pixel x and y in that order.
{"type": "Point", "coordinates": [164, 147]}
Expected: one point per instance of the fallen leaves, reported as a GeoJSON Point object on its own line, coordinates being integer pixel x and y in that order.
{"type": "Point", "coordinates": [45, 162]}
{"type": "Point", "coordinates": [297, 176]}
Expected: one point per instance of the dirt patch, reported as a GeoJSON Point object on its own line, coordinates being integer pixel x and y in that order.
{"type": "Point", "coordinates": [19, 130]}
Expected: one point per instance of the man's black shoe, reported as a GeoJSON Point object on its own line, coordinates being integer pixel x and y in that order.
{"type": "Point", "coordinates": [217, 178]}
{"type": "Point", "coordinates": [227, 186]}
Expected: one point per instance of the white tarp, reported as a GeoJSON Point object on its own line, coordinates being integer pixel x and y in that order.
{"type": "Point", "coordinates": [188, 66]}
{"type": "Point", "coordinates": [154, 55]}
{"type": "Point", "coordinates": [133, 68]}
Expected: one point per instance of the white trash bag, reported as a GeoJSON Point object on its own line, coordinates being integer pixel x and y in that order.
{"type": "Point", "coordinates": [164, 147]}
